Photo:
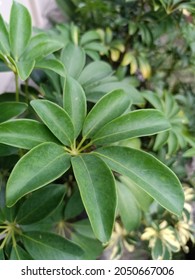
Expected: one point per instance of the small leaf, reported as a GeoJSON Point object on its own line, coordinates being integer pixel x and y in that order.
{"type": "Point", "coordinates": [106, 109]}
{"type": "Point", "coordinates": [89, 36]}
{"type": "Point", "coordinates": [49, 246]}
{"type": "Point", "coordinates": [128, 208]}
{"type": "Point", "coordinates": [20, 29]}
{"type": "Point", "coordinates": [74, 206]}
{"type": "Point", "coordinates": [99, 69]}
{"type": "Point", "coordinates": [74, 103]}
{"type": "Point", "coordinates": [24, 68]}
{"type": "Point", "coordinates": [92, 247]}
{"type": "Point", "coordinates": [18, 253]}
{"type": "Point", "coordinates": [73, 57]}
{"type": "Point", "coordinates": [56, 119]}
{"type": "Point", "coordinates": [40, 166]}
{"type": "Point", "coordinates": [52, 64]}
{"type": "Point", "coordinates": [148, 173]}
{"type": "Point", "coordinates": [25, 134]}
{"type": "Point", "coordinates": [4, 38]}
{"type": "Point", "coordinates": [134, 124]}
{"type": "Point", "coordinates": [11, 109]}
{"type": "Point", "coordinates": [97, 188]}
{"type": "Point", "coordinates": [158, 250]}
{"type": "Point", "coordinates": [189, 153]}
{"type": "Point", "coordinates": [40, 46]}
{"type": "Point", "coordinates": [40, 204]}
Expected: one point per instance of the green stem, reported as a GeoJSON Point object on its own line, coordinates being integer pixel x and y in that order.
{"type": "Point", "coordinates": [81, 143]}
{"type": "Point", "coordinates": [17, 87]}
{"type": "Point", "coordinates": [85, 147]}
{"type": "Point", "coordinates": [4, 241]}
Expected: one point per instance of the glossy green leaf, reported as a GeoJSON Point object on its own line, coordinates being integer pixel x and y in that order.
{"type": "Point", "coordinates": [189, 153]}
{"type": "Point", "coordinates": [40, 46]}
{"type": "Point", "coordinates": [108, 108]}
{"type": "Point", "coordinates": [24, 68]}
{"type": "Point", "coordinates": [89, 36]}
{"type": "Point", "coordinates": [73, 57]}
{"type": "Point", "coordinates": [128, 207]}
{"type": "Point", "coordinates": [74, 101]}
{"type": "Point", "coordinates": [83, 227]}
{"type": "Point", "coordinates": [4, 37]}
{"type": "Point", "coordinates": [148, 173]}
{"type": "Point", "coordinates": [9, 110]}
{"type": "Point", "coordinates": [92, 247]}
{"type": "Point", "coordinates": [100, 70]}
{"type": "Point", "coordinates": [25, 134]}
{"type": "Point", "coordinates": [40, 166]}
{"type": "Point", "coordinates": [18, 253]}
{"type": "Point", "coordinates": [40, 204]}
{"type": "Point", "coordinates": [97, 188]}
{"type": "Point", "coordinates": [134, 124]}
{"type": "Point", "coordinates": [52, 64]}
{"type": "Point", "coordinates": [143, 199]}
{"type": "Point", "coordinates": [20, 29]}
{"type": "Point", "coordinates": [2, 257]}
{"type": "Point", "coordinates": [56, 119]}
{"type": "Point", "coordinates": [49, 246]}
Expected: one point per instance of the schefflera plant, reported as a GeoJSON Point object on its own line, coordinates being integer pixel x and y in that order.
{"type": "Point", "coordinates": [67, 137]}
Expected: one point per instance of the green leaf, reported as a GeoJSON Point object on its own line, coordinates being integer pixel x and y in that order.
{"type": "Point", "coordinates": [56, 119]}
{"type": "Point", "coordinates": [24, 68]}
{"type": "Point", "coordinates": [52, 64]}
{"type": "Point", "coordinates": [20, 29]}
{"type": "Point", "coordinates": [18, 253]}
{"type": "Point", "coordinates": [97, 188]}
{"type": "Point", "coordinates": [160, 140]}
{"type": "Point", "coordinates": [49, 246]}
{"type": "Point", "coordinates": [4, 38]}
{"type": "Point", "coordinates": [41, 46]}
{"type": "Point", "coordinates": [148, 173]}
{"type": "Point", "coordinates": [143, 199]}
{"type": "Point", "coordinates": [158, 250]}
{"type": "Point", "coordinates": [11, 109]}
{"type": "Point", "coordinates": [100, 70]}
{"type": "Point", "coordinates": [40, 166]}
{"type": "Point", "coordinates": [25, 134]}
{"type": "Point", "coordinates": [74, 206]}
{"type": "Point", "coordinates": [128, 208]}
{"type": "Point", "coordinates": [2, 257]}
{"type": "Point", "coordinates": [73, 57]}
{"type": "Point", "coordinates": [40, 204]}
{"type": "Point", "coordinates": [134, 124]}
{"type": "Point", "coordinates": [7, 150]}
{"type": "Point", "coordinates": [189, 153]}
{"type": "Point", "coordinates": [89, 36]}
{"type": "Point", "coordinates": [92, 248]}
{"type": "Point", "coordinates": [74, 103]}
{"type": "Point", "coordinates": [106, 109]}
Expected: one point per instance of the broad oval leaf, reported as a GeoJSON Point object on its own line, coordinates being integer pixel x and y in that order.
{"type": "Point", "coordinates": [52, 64]}
{"type": "Point", "coordinates": [19, 253]}
{"type": "Point", "coordinates": [56, 119]}
{"type": "Point", "coordinates": [40, 204]}
{"type": "Point", "coordinates": [74, 101]}
{"type": "Point", "coordinates": [40, 166]}
{"type": "Point", "coordinates": [147, 173]}
{"type": "Point", "coordinates": [4, 38]}
{"type": "Point", "coordinates": [20, 29]}
{"type": "Point", "coordinates": [40, 46]}
{"type": "Point", "coordinates": [128, 207]}
{"type": "Point", "coordinates": [25, 134]}
{"type": "Point", "coordinates": [49, 246]}
{"type": "Point", "coordinates": [97, 187]}
{"type": "Point", "coordinates": [73, 57]}
{"type": "Point", "coordinates": [134, 124]}
{"type": "Point", "coordinates": [109, 107]}
{"type": "Point", "coordinates": [100, 70]}
{"type": "Point", "coordinates": [9, 110]}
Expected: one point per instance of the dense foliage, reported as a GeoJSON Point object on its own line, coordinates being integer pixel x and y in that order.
{"type": "Point", "coordinates": [93, 154]}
